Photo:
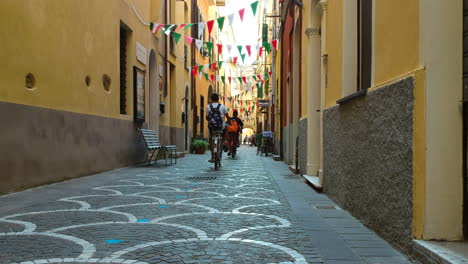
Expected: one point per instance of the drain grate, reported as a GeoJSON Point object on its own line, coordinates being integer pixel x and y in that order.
{"type": "Point", "coordinates": [325, 207]}
{"type": "Point", "coordinates": [202, 178]}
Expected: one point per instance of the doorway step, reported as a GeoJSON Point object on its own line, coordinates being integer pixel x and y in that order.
{"type": "Point", "coordinates": [442, 252]}
{"type": "Point", "coordinates": [314, 181]}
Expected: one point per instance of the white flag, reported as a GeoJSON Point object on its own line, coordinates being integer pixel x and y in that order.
{"type": "Point", "coordinates": [229, 47]}
{"type": "Point", "coordinates": [231, 19]}
{"type": "Point", "coordinates": [168, 30]}
{"type": "Point", "coordinates": [199, 43]}
{"type": "Point", "coordinates": [201, 28]}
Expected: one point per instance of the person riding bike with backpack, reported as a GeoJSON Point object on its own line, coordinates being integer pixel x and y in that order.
{"type": "Point", "coordinates": [215, 114]}
{"type": "Point", "coordinates": [235, 126]}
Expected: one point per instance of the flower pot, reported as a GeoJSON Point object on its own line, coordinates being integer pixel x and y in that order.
{"type": "Point", "coordinates": [200, 151]}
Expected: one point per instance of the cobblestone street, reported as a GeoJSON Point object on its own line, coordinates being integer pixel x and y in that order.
{"type": "Point", "coordinates": [251, 211]}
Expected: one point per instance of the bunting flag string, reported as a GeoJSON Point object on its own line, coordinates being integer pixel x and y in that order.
{"type": "Point", "coordinates": [257, 79]}
{"type": "Point", "coordinates": [210, 23]}
{"type": "Point", "coordinates": [267, 46]}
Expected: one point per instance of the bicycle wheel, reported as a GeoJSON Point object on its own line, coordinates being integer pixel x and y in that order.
{"type": "Point", "coordinates": [233, 152]}
{"type": "Point", "coordinates": [216, 163]}
{"type": "Point", "coordinates": [220, 153]}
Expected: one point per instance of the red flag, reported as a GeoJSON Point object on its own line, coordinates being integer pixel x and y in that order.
{"type": "Point", "coordinates": [259, 77]}
{"type": "Point", "coordinates": [241, 14]}
{"type": "Point", "coordinates": [229, 78]}
{"type": "Point", "coordinates": [244, 79]}
{"type": "Point", "coordinates": [274, 43]}
{"type": "Point", "coordinates": [212, 77]}
{"type": "Point", "coordinates": [194, 72]}
{"type": "Point", "coordinates": [269, 74]}
{"type": "Point", "coordinates": [234, 60]}
{"type": "Point", "coordinates": [260, 51]}
{"type": "Point", "coordinates": [195, 68]}
{"type": "Point", "coordinates": [210, 26]}
{"type": "Point", "coordinates": [220, 48]}
{"type": "Point", "coordinates": [248, 49]}
{"type": "Point", "coordinates": [182, 26]}
{"type": "Point", "coordinates": [189, 40]}
{"type": "Point", "coordinates": [213, 66]}
{"type": "Point", "coordinates": [155, 30]}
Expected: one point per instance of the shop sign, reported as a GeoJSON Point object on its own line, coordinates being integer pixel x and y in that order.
{"type": "Point", "coordinates": [264, 103]}
{"type": "Point", "coordinates": [141, 53]}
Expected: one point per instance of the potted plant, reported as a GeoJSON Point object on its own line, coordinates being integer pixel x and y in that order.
{"type": "Point", "coordinates": [199, 146]}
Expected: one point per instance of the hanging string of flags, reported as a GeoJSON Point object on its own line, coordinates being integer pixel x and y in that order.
{"type": "Point", "coordinates": [251, 49]}
{"type": "Point", "coordinates": [258, 78]}
{"type": "Point", "coordinates": [206, 24]}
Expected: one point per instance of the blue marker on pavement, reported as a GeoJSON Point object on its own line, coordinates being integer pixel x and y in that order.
{"type": "Point", "coordinates": [113, 241]}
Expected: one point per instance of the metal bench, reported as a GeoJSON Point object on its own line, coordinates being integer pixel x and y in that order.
{"type": "Point", "coordinates": [152, 143]}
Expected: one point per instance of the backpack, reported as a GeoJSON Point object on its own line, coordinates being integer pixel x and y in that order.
{"type": "Point", "coordinates": [234, 127]}
{"type": "Point", "coordinates": [215, 120]}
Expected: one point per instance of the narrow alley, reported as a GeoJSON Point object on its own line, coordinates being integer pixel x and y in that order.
{"type": "Point", "coordinates": [253, 210]}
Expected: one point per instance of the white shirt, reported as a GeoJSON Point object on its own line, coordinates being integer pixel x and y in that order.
{"type": "Point", "coordinates": [223, 110]}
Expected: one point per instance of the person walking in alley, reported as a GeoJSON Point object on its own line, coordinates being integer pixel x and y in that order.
{"type": "Point", "coordinates": [235, 126]}
{"type": "Point", "coordinates": [215, 114]}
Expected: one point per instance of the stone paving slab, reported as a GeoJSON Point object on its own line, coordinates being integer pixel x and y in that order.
{"type": "Point", "coordinates": [251, 211]}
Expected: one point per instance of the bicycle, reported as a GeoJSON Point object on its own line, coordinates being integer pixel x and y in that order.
{"type": "Point", "coordinates": [266, 145]}
{"type": "Point", "coordinates": [217, 148]}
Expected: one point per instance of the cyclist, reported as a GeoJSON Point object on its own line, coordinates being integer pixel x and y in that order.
{"type": "Point", "coordinates": [234, 128]}
{"type": "Point", "coordinates": [215, 114]}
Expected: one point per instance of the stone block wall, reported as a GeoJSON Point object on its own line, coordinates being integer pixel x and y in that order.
{"type": "Point", "coordinates": [368, 159]}
{"type": "Point", "coordinates": [41, 146]}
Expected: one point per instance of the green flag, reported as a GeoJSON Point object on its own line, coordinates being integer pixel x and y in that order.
{"type": "Point", "coordinates": [223, 78]}
{"type": "Point", "coordinates": [187, 26]}
{"type": "Point", "coordinates": [243, 57]}
{"type": "Point", "coordinates": [176, 37]}
{"type": "Point", "coordinates": [240, 79]}
{"type": "Point", "coordinates": [166, 27]}
{"type": "Point", "coordinates": [151, 26]}
{"type": "Point", "coordinates": [239, 48]}
{"type": "Point", "coordinates": [206, 76]}
{"type": "Point", "coordinates": [254, 77]}
{"type": "Point", "coordinates": [220, 23]}
{"type": "Point", "coordinates": [220, 63]}
{"type": "Point", "coordinates": [200, 68]}
{"type": "Point", "coordinates": [209, 46]}
{"type": "Point", "coordinates": [267, 46]}
{"type": "Point", "coordinates": [254, 6]}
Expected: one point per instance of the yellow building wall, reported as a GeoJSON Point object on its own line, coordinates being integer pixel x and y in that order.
{"type": "Point", "coordinates": [61, 42]}
{"type": "Point", "coordinates": [396, 35]}
{"type": "Point", "coordinates": [396, 55]}
{"type": "Point", "coordinates": [181, 76]}
{"type": "Point", "coordinates": [334, 49]}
